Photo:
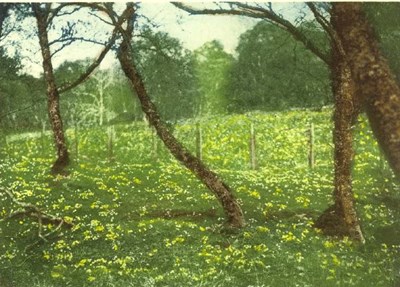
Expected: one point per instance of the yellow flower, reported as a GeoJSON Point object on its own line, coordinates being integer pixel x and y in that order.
{"type": "Point", "coordinates": [255, 194]}
{"type": "Point", "coordinates": [99, 228]}
{"type": "Point", "coordinates": [289, 237]}
{"type": "Point", "coordinates": [91, 278]}
{"type": "Point", "coordinates": [81, 263]}
{"type": "Point", "coordinates": [137, 181]}
{"type": "Point", "coordinates": [260, 248]}
{"type": "Point", "coordinates": [46, 255]}
{"type": "Point", "coordinates": [55, 274]}
{"type": "Point", "coordinates": [262, 229]}
{"type": "Point", "coordinates": [335, 260]}
{"type": "Point", "coordinates": [247, 234]}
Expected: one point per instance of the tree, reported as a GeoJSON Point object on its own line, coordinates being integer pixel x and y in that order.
{"type": "Point", "coordinates": [376, 84]}
{"type": "Point", "coordinates": [21, 100]}
{"type": "Point", "coordinates": [121, 103]}
{"type": "Point", "coordinates": [341, 219]}
{"type": "Point", "coordinates": [212, 68]}
{"type": "Point", "coordinates": [168, 73]}
{"type": "Point", "coordinates": [273, 72]}
{"type": "Point", "coordinates": [97, 101]}
{"type": "Point", "coordinates": [42, 15]}
{"type": "Point", "coordinates": [231, 207]}
{"type": "Point", "coordinates": [9, 69]}
{"type": "Point", "coordinates": [340, 64]}
{"type": "Point", "coordinates": [45, 14]}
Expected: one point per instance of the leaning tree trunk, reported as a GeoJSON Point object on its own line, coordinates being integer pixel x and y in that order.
{"type": "Point", "coordinates": [376, 84]}
{"type": "Point", "coordinates": [231, 207]}
{"type": "Point", "coordinates": [53, 101]}
{"type": "Point", "coordinates": [341, 218]}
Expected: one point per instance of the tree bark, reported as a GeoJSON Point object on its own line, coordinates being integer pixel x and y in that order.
{"type": "Point", "coordinates": [231, 207]}
{"type": "Point", "coordinates": [341, 218]}
{"type": "Point", "coordinates": [376, 84]}
{"type": "Point", "coordinates": [53, 100]}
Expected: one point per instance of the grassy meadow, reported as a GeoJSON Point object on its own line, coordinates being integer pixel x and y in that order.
{"type": "Point", "coordinates": [140, 219]}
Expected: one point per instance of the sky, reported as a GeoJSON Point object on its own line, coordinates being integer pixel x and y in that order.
{"type": "Point", "coordinates": [195, 30]}
{"type": "Point", "coordinates": [192, 31]}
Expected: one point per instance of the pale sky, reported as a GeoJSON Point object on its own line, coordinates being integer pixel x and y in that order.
{"type": "Point", "coordinates": [192, 31]}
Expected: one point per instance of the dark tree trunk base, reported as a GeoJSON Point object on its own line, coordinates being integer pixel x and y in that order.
{"type": "Point", "coordinates": [332, 223]}
{"type": "Point", "coordinates": [60, 165]}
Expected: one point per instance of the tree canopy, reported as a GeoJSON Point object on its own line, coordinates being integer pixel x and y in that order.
{"type": "Point", "coordinates": [274, 72]}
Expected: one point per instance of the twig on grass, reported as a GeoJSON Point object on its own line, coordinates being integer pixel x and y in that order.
{"type": "Point", "coordinates": [32, 211]}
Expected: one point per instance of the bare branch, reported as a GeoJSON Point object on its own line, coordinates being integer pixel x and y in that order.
{"type": "Point", "coordinates": [320, 19]}
{"type": "Point", "coordinates": [68, 86]}
{"type": "Point", "coordinates": [74, 39]}
{"type": "Point", "coordinates": [69, 41]}
{"type": "Point", "coordinates": [101, 19]}
{"type": "Point", "coordinates": [32, 211]}
{"type": "Point", "coordinates": [328, 28]}
{"type": "Point", "coordinates": [56, 11]}
{"type": "Point", "coordinates": [257, 12]}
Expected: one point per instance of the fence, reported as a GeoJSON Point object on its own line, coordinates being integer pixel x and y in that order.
{"type": "Point", "coordinates": [110, 146]}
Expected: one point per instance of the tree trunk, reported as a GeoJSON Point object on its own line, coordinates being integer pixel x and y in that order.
{"type": "Point", "coordinates": [231, 207]}
{"type": "Point", "coordinates": [376, 84]}
{"type": "Point", "coordinates": [53, 101]}
{"type": "Point", "coordinates": [341, 219]}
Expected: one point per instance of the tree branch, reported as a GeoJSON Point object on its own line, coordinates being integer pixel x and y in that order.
{"type": "Point", "coordinates": [83, 77]}
{"type": "Point", "coordinates": [32, 211]}
{"type": "Point", "coordinates": [56, 11]}
{"type": "Point", "coordinates": [328, 29]}
{"type": "Point", "coordinates": [257, 12]}
{"type": "Point", "coordinates": [70, 40]}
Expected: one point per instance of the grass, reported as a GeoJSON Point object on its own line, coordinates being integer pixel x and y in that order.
{"type": "Point", "coordinates": [145, 222]}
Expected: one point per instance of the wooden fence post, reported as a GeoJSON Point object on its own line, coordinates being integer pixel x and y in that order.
{"type": "Point", "coordinates": [253, 151]}
{"type": "Point", "coordinates": [9, 145]}
{"type": "Point", "coordinates": [76, 142]}
{"type": "Point", "coordinates": [111, 135]}
{"type": "Point", "coordinates": [4, 143]}
{"type": "Point", "coordinates": [155, 145]}
{"type": "Point", "coordinates": [199, 142]}
{"type": "Point", "coordinates": [311, 153]}
{"type": "Point", "coordinates": [43, 136]}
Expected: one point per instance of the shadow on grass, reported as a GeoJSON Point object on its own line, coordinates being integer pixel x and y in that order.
{"type": "Point", "coordinates": [389, 235]}
{"type": "Point", "coordinates": [299, 213]}
{"type": "Point", "coordinates": [173, 214]}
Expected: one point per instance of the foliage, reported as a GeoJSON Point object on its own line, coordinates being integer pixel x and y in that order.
{"type": "Point", "coordinates": [168, 72]}
{"type": "Point", "coordinates": [141, 222]}
{"type": "Point", "coordinates": [212, 67]}
{"type": "Point", "coordinates": [383, 17]}
{"type": "Point", "coordinates": [105, 96]}
{"type": "Point", "coordinates": [21, 97]}
{"type": "Point", "coordinates": [274, 72]}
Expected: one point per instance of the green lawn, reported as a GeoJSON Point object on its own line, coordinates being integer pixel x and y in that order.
{"type": "Point", "coordinates": [141, 221]}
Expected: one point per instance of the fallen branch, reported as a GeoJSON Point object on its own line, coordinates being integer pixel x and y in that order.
{"type": "Point", "coordinates": [32, 211]}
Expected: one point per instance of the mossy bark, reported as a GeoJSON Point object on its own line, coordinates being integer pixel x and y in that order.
{"type": "Point", "coordinates": [224, 194]}
{"type": "Point", "coordinates": [341, 218]}
{"type": "Point", "coordinates": [53, 97]}
{"type": "Point", "coordinates": [376, 84]}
